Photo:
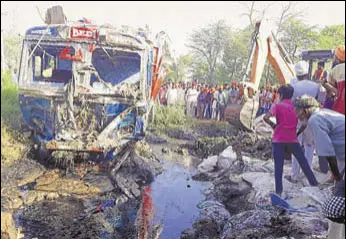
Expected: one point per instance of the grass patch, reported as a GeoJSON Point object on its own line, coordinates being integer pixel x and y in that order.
{"type": "Point", "coordinates": [10, 111]}
{"type": "Point", "coordinates": [13, 144]}
{"type": "Point", "coordinates": [171, 117]}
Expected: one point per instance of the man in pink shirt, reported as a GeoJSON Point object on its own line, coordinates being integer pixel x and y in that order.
{"type": "Point", "coordinates": [285, 137]}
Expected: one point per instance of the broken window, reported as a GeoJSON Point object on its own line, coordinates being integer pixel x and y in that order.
{"type": "Point", "coordinates": [116, 66]}
{"type": "Point", "coordinates": [48, 67]}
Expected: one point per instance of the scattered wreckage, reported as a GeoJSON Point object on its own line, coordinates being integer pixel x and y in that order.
{"type": "Point", "coordinates": [89, 88]}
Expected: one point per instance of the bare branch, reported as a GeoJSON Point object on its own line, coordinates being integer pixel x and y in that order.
{"type": "Point", "coordinates": [267, 7]}
{"type": "Point", "coordinates": [250, 10]}
{"type": "Point", "coordinates": [199, 50]}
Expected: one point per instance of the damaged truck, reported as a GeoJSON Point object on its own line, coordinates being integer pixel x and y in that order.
{"type": "Point", "coordinates": [89, 88]}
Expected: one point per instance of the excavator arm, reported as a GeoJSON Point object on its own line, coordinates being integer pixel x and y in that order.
{"type": "Point", "coordinates": [265, 47]}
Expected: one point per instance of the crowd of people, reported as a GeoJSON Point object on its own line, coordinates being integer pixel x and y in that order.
{"type": "Point", "coordinates": [268, 97]}
{"type": "Point", "coordinates": [201, 100]}
{"type": "Point", "coordinates": [205, 101]}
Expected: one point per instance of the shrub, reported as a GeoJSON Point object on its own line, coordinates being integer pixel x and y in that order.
{"type": "Point", "coordinates": [13, 144]}
{"type": "Point", "coordinates": [171, 117]}
{"type": "Point", "coordinates": [10, 111]}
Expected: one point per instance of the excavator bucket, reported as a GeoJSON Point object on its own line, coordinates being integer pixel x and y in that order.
{"type": "Point", "coordinates": [264, 47]}
{"type": "Point", "coordinates": [242, 115]}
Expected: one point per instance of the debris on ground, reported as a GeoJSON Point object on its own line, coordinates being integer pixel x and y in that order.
{"type": "Point", "coordinates": [45, 202]}
{"type": "Point", "coordinates": [206, 146]}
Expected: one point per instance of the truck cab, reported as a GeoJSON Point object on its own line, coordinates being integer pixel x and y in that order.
{"type": "Point", "coordinates": [84, 87]}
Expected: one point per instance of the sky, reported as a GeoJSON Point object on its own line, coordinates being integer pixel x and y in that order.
{"type": "Point", "coordinates": [177, 19]}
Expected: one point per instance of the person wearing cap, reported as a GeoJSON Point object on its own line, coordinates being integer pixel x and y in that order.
{"type": "Point", "coordinates": [328, 129]}
{"type": "Point", "coordinates": [320, 75]}
{"type": "Point", "coordinates": [301, 87]}
{"type": "Point", "coordinates": [336, 79]}
{"type": "Point", "coordinates": [285, 137]}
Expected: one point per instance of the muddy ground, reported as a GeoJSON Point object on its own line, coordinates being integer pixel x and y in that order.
{"type": "Point", "coordinates": [39, 200]}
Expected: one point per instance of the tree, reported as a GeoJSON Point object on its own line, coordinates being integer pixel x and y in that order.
{"type": "Point", "coordinates": [288, 12]}
{"type": "Point", "coordinates": [200, 71]}
{"type": "Point", "coordinates": [11, 41]}
{"type": "Point", "coordinates": [297, 36]}
{"type": "Point", "coordinates": [178, 70]}
{"type": "Point", "coordinates": [207, 44]}
{"type": "Point", "coordinates": [331, 36]}
{"type": "Point", "coordinates": [236, 54]}
{"type": "Point", "coordinates": [12, 49]}
{"type": "Point", "coordinates": [252, 12]}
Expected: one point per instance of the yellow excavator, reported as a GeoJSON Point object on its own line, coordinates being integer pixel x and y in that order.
{"type": "Point", "coordinates": [265, 46]}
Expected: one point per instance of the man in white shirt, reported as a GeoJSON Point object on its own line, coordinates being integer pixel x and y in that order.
{"type": "Point", "coordinates": [303, 86]}
{"type": "Point", "coordinates": [181, 94]}
{"type": "Point", "coordinates": [172, 95]}
{"type": "Point", "coordinates": [191, 99]}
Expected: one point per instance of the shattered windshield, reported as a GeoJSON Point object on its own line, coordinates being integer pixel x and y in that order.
{"type": "Point", "coordinates": [115, 66]}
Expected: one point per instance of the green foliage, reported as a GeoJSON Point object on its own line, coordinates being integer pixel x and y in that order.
{"type": "Point", "coordinates": [13, 145]}
{"type": "Point", "coordinates": [221, 75]}
{"type": "Point", "coordinates": [298, 36]}
{"type": "Point", "coordinates": [236, 54]}
{"type": "Point", "coordinates": [200, 71]}
{"type": "Point", "coordinates": [207, 45]}
{"type": "Point", "coordinates": [330, 37]}
{"type": "Point", "coordinates": [170, 117]}
{"type": "Point", "coordinates": [179, 69]}
{"type": "Point", "coordinates": [10, 111]}
{"type": "Point", "coordinates": [12, 49]}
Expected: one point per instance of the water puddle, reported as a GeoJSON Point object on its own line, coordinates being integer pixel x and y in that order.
{"type": "Point", "coordinates": [175, 197]}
